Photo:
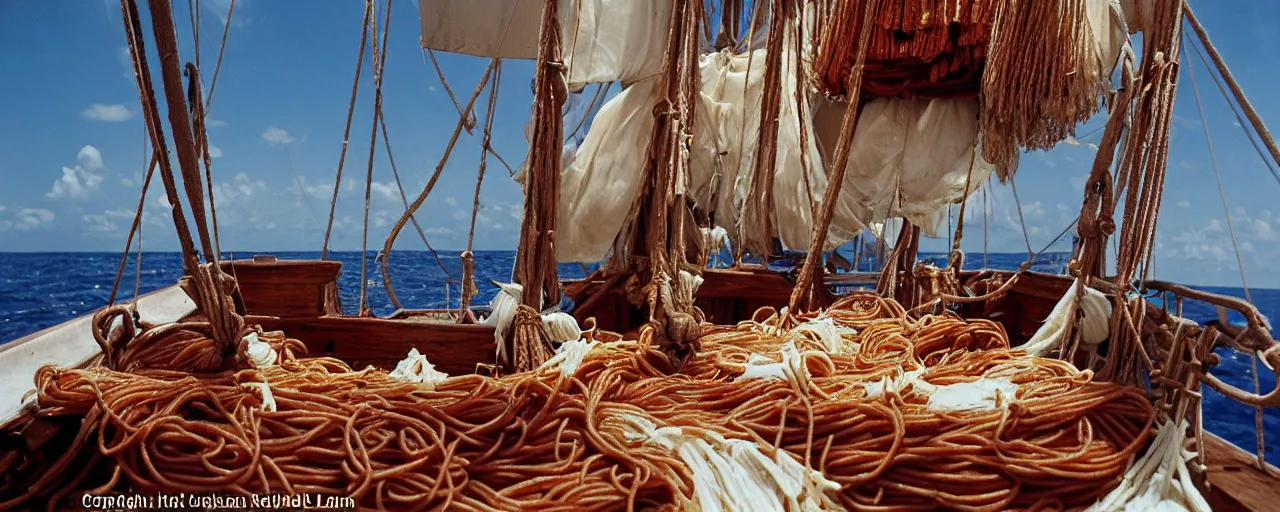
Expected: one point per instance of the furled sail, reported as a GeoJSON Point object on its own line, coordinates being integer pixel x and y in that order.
{"type": "Point", "coordinates": [909, 158]}
{"type": "Point", "coordinates": [599, 186]}
{"type": "Point", "coordinates": [602, 40]}
{"type": "Point", "coordinates": [735, 83]}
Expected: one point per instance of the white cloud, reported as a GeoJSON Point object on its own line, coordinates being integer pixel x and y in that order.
{"type": "Point", "coordinates": [277, 136]}
{"type": "Point", "coordinates": [323, 190]}
{"type": "Point", "coordinates": [1262, 230]}
{"type": "Point", "coordinates": [79, 182]}
{"type": "Point", "coordinates": [162, 201]}
{"type": "Point", "coordinates": [126, 182]}
{"type": "Point", "coordinates": [439, 231]}
{"type": "Point", "coordinates": [1210, 246]}
{"type": "Point", "coordinates": [90, 158]}
{"type": "Point", "coordinates": [1073, 142]}
{"type": "Point", "coordinates": [450, 201]}
{"type": "Point", "coordinates": [111, 113]}
{"type": "Point", "coordinates": [215, 151]}
{"type": "Point", "coordinates": [384, 190]}
{"type": "Point", "coordinates": [2, 208]}
{"type": "Point", "coordinates": [121, 214]}
{"type": "Point", "coordinates": [32, 218]}
{"type": "Point", "coordinates": [240, 189]}
{"type": "Point", "coordinates": [99, 224]}
{"type": "Point", "coordinates": [214, 123]}
{"type": "Point", "coordinates": [432, 88]}
{"type": "Point", "coordinates": [1184, 204]}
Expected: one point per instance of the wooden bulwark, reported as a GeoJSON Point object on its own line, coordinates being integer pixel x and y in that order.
{"type": "Point", "coordinates": [1235, 481]}
{"type": "Point", "coordinates": [453, 348]}
{"type": "Point", "coordinates": [286, 288]}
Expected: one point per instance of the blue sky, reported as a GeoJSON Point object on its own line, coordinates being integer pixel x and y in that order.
{"type": "Point", "coordinates": [71, 140]}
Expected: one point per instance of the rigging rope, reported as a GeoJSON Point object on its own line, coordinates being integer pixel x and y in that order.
{"type": "Point", "coordinates": [196, 105]}
{"type": "Point", "coordinates": [469, 290]}
{"type": "Point", "coordinates": [1249, 112]}
{"type": "Point", "coordinates": [955, 260]}
{"type": "Point", "coordinates": [134, 228]}
{"type": "Point", "coordinates": [226, 27]}
{"type": "Point", "coordinates": [803, 291]}
{"type": "Point", "coordinates": [986, 222]}
{"type": "Point", "coordinates": [431, 183]}
{"type": "Point", "coordinates": [758, 209]}
{"type": "Point", "coordinates": [404, 199]}
{"type": "Point", "coordinates": [1013, 184]}
{"type": "Point", "coordinates": [1235, 246]}
{"type": "Point", "coordinates": [346, 132]}
{"type": "Point", "coordinates": [379, 60]}
{"type": "Point", "coordinates": [204, 283]}
{"type": "Point", "coordinates": [470, 116]}
{"type": "Point", "coordinates": [535, 259]}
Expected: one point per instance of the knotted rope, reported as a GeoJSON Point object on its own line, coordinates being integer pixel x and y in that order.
{"type": "Point", "coordinates": [469, 290]}
{"type": "Point", "coordinates": [206, 284]}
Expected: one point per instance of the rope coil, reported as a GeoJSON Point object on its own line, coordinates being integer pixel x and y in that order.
{"type": "Point", "coordinates": [570, 436]}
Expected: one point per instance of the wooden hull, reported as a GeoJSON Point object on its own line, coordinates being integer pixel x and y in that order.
{"type": "Point", "coordinates": [299, 298]}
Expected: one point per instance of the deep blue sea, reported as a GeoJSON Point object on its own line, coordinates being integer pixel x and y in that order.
{"type": "Point", "coordinates": [39, 290]}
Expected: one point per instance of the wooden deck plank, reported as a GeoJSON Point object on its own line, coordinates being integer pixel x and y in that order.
{"type": "Point", "coordinates": [1235, 482]}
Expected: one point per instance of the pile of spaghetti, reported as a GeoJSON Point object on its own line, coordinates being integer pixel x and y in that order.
{"type": "Point", "coordinates": [858, 406]}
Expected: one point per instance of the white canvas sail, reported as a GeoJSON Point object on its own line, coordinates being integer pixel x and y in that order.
{"type": "Point", "coordinates": [601, 40]}
{"type": "Point", "coordinates": [908, 159]}
{"type": "Point", "coordinates": [602, 181]}
{"type": "Point", "coordinates": [505, 29]}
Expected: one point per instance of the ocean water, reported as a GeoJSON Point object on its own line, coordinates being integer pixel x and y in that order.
{"type": "Point", "coordinates": [40, 290]}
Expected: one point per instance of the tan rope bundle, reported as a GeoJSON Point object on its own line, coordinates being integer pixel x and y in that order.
{"type": "Point", "coordinates": [930, 48]}
{"type": "Point", "coordinates": [1042, 77]}
{"type": "Point", "coordinates": [559, 438]}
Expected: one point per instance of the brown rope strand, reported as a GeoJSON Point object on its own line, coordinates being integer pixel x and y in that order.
{"type": "Point", "coordinates": [346, 132]}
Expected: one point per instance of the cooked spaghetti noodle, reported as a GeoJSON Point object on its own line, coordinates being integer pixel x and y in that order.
{"type": "Point", "coordinates": [878, 416]}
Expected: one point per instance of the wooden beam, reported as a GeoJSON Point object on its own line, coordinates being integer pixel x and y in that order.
{"type": "Point", "coordinates": [283, 271]}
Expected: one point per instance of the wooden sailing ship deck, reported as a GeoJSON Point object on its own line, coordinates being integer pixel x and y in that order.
{"type": "Point", "coordinates": [297, 297]}
{"type": "Point", "coordinates": [656, 293]}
